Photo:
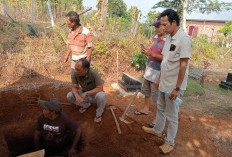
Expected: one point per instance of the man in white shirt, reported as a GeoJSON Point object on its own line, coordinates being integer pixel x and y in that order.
{"type": "Point", "coordinates": [173, 78]}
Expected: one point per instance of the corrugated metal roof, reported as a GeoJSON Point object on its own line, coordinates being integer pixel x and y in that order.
{"type": "Point", "coordinates": [218, 16]}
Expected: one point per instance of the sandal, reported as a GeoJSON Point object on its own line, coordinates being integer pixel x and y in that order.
{"type": "Point", "coordinates": [82, 110]}
{"type": "Point", "coordinates": [137, 112]}
{"type": "Point", "coordinates": [151, 125]}
{"type": "Point", "coordinates": [97, 119]}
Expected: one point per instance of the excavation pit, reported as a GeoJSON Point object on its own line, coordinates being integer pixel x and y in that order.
{"type": "Point", "coordinates": [18, 122]}
{"type": "Point", "coordinates": [19, 138]}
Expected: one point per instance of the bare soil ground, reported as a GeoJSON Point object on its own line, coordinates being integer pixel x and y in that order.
{"type": "Point", "coordinates": [205, 127]}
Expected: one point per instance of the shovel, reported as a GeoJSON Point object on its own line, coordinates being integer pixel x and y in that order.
{"type": "Point", "coordinates": [122, 118]}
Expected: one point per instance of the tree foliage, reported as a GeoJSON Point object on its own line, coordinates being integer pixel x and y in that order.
{"type": "Point", "coordinates": [136, 12]}
{"type": "Point", "coordinates": [151, 17]}
{"type": "Point", "coordinates": [204, 6]}
{"type": "Point", "coordinates": [227, 29]}
{"type": "Point", "coordinates": [117, 8]}
{"type": "Point", "coordinates": [68, 4]}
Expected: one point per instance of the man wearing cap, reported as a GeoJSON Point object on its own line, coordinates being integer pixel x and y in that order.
{"type": "Point", "coordinates": [79, 41]}
{"type": "Point", "coordinates": [87, 88]}
{"type": "Point", "coordinates": [154, 53]}
{"type": "Point", "coordinates": [173, 78]}
{"type": "Point", "coordinates": [56, 132]}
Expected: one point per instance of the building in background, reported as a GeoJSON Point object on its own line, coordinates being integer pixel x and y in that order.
{"type": "Point", "coordinates": [209, 24]}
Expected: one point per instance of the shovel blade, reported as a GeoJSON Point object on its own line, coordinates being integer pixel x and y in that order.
{"type": "Point", "coordinates": [125, 121]}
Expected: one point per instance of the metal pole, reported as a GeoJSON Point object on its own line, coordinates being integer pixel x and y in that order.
{"type": "Point", "coordinates": [50, 13]}
{"type": "Point", "coordinates": [32, 12]}
{"type": "Point", "coordinates": [6, 11]}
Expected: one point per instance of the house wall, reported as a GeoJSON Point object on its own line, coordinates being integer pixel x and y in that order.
{"type": "Point", "coordinates": [205, 27]}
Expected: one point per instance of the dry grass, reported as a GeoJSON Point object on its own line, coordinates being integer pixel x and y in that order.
{"type": "Point", "coordinates": [22, 54]}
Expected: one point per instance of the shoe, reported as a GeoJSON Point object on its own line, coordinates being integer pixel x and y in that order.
{"type": "Point", "coordinates": [82, 110]}
{"type": "Point", "coordinates": [137, 112]}
{"type": "Point", "coordinates": [166, 148]}
{"type": "Point", "coordinates": [151, 131]}
{"type": "Point", "coordinates": [97, 119]}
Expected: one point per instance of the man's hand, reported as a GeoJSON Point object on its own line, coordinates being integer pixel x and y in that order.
{"type": "Point", "coordinates": [83, 95]}
{"type": "Point", "coordinates": [145, 51]}
{"type": "Point", "coordinates": [157, 84]}
{"type": "Point", "coordinates": [173, 95]}
{"type": "Point", "coordinates": [88, 58]}
{"type": "Point", "coordinates": [79, 100]}
{"type": "Point", "coordinates": [72, 152]}
{"type": "Point", "coordinates": [65, 59]}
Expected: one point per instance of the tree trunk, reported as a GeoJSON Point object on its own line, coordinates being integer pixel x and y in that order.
{"type": "Point", "coordinates": [104, 8]}
{"type": "Point", "coordinates": [183, 23]}
{"type": "Point", "coordinates": [136, 25]}
{"type": "Point", "coordinates": [133, 11]}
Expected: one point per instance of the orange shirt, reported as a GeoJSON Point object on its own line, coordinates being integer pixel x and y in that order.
{"type": "Point", "coordinates": [79, 42]}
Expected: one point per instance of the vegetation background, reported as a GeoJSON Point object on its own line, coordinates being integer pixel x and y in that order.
{"type": "Point", "coordinates": [22, 54]}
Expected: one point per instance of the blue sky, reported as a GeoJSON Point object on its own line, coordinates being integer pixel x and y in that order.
{"type": "Point", "coordinates": [146, 5]}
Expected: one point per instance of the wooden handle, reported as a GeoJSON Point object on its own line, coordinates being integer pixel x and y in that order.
{"type": "Point", "coordinates": [116, 121]}
{"type": "Point", "coordinates": [132, 100]}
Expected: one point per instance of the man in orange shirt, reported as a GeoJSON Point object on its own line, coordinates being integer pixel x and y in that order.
{"type": "Point", "coordinates": [79, 40]}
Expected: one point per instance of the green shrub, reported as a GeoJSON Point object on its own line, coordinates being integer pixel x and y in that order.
{"type": "Point", "coordinates": [139, 60]}
{"type": "Point", "coordinates": [227, 29]}
{"type": "Point", "coordinates": [118, 24]}
{"type": "Point", "coordinates": [124, 43]}
{"type": "Point", "coordinates": [196, 56]}
{"type": "Point", "coordinates": [203, 47]}
{"type": "Point", "coordinates": [98, 66]}
{"type": "Point", "coordinates": [101, 48]}
{"type": "Point", "coordinates": [125, 24]}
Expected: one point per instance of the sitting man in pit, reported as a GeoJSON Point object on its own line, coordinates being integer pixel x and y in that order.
{"type": "Point", "coordinates": [87, 88]}
{"type": "Point", "coordinates": [56, 132]}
